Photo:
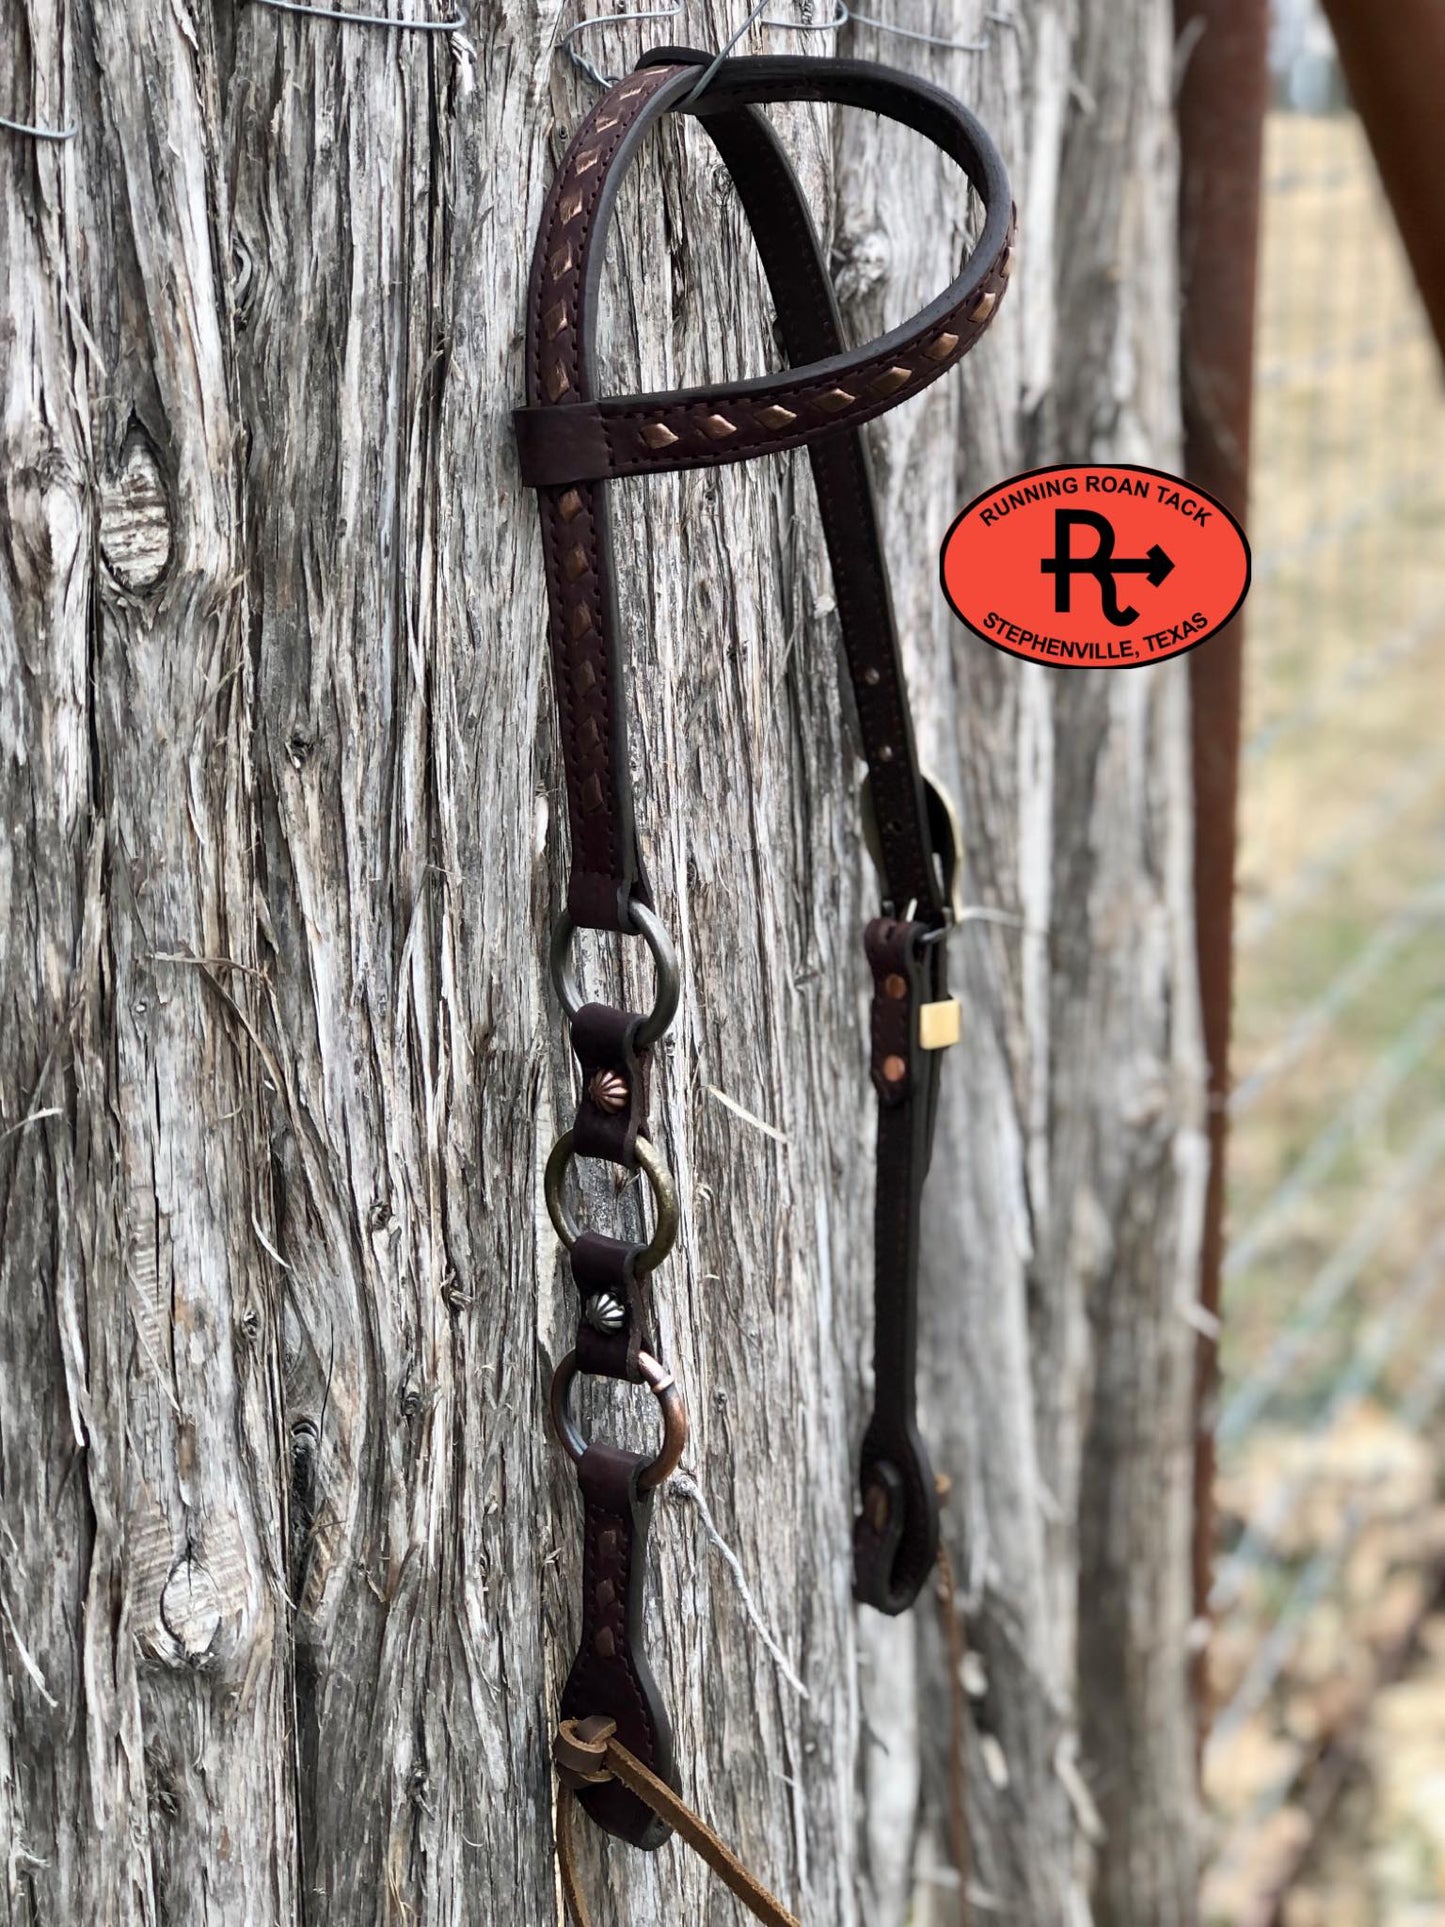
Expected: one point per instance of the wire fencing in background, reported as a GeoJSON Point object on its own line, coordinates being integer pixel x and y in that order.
{"type": "Point", "coordinates": [1335, 1300]}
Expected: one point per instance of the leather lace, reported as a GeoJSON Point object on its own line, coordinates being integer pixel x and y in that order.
{"type": "Point", "coordinates": [588, 1753]}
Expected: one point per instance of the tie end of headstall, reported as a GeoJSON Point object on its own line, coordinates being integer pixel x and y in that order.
{"type": "Point", "coordinates": [579, 1751]}
{"type": "Point", "coordinates": [895, 1538]}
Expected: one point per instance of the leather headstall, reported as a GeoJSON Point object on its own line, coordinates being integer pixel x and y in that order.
{"type": "Point", "coordinates": [573, 440]}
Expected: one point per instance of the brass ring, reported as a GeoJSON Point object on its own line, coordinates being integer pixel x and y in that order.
{"type": "Point", "coordinates": [664, 1390]}
{"type": "Point", "coordinates": [664, 1007]}
{"type": "Point", "coordinates": [664, 1193]}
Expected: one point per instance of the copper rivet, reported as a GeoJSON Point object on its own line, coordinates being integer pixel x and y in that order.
{"type": "Point", "coordinates": [575, 562]}
{"type": "Point", "coordinates": [604, 1643]}
{"type": "Point", "coordinates": [875, 1506]}
{"type": "Point", "coordinates": [570, 504]}
{"type": "Point", "coordinates": [608, 1091]}
{"type": "Point", "coordinates": [894, 1070]}
{"type": "Point", "coordinates": [872, 678]}
{"type": "Point", "coordinates": [891, 379]}
{"type": "Point", "coordinates": [605, 1594]}
{"type": "Point", "coordinates": [895, 985]}
{"type": "Point", "coordinates": [835, 399]}
{"type": "Point", "coordinates": [942, 348]}
{"type": "Point", "coordinates": [555, 320]}
{"type": "Point", "coordinates": [719, 427]}
{"type": "Point", "coordinates": [558, 381]}
{"type": "Point", "coordinates": [1009, 262]}
{"type": "Point", "coordinates": [984, 306]}
{"type": "Point", "coordinates": [775, 417]}
{"type": "Point", "coordinates": [656, 436]}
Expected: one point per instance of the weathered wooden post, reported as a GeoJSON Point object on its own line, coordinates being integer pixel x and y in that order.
{"type": "Point", "coordinates": [288, 1577]}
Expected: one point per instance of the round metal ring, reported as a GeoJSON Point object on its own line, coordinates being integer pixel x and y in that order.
{"type": "Point", "coordinates": [664, 1003]}
{"type": "Point", "coordinates": [664, 1193]}
{"type": "Point", "coordinates": [664, 1390]}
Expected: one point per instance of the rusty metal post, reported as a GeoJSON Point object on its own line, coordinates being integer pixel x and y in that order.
{"type": "Point", "coordinates": [1222, 98]}
{"type": "Point", "coordinates": [1394, 60]}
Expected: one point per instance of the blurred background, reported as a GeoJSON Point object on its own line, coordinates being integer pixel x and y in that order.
{"type": "Point", "coordinates": [1326, 1765]}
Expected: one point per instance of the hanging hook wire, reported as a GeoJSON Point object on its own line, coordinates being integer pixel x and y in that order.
{"type": "Point", "coordinates": [757, 19]}
{"type": "Point", "coordinates": [579, 59]}
{"type": "Point", "coordinates": [347, 19]}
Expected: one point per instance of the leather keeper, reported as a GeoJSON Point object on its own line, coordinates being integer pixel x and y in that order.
{"type": "Point", "coordinates": [560, 445]}
{"type": "Point", "coordinates": [610, 1678]}
{"type": "Point", "coordinates": [616, 1081]}
{"type": "Point", "coordinates": [898, 991]}
{"type": "Point", "coordinates": [605, 1266]}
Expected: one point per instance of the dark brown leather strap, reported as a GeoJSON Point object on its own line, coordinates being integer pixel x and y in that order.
{"type": "Point", "coordinates": [572, 442]}
{"type": "Point", "coordinates": [835, 393]}
{"type": "Point", "coordinates": [610, 1675]}
{"type": "Point", "coordinates": [594, 439]}
{"type": "Point", "coordinates": [895, 1539]}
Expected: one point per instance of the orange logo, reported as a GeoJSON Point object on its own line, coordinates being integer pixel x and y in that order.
{"type": "Point", "coordinates": [1095, 567]}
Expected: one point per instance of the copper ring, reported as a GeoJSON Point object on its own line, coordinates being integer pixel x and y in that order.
{"type": "Point", "coordinates": [664, 1193]}
{"type": "Point", "coordinates": [664, 1390]}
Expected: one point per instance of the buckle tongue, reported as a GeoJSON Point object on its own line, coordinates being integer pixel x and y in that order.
{"type": "Point", "coordinates": [945, 834]}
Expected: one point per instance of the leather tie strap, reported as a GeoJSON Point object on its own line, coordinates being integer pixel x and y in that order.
{"type": "Point", "coordinates": [588, 1754]}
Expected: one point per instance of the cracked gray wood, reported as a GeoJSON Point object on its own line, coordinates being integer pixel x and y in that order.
{"type": "Point", "coordinates": [291, 1560]}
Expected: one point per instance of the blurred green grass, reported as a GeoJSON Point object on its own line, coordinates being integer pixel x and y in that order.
{"type": "Point", "coordinates": [1349, 422]}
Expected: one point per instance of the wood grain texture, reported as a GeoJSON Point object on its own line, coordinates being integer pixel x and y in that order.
{"type": "Point", "coordinates": [1064, 1216]}
{"type": "Point", "coordinates": [141, 1399]}
{"type": "Point", "coordinates": [292, 1559]}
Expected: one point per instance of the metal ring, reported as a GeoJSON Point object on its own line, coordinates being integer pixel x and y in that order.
{"type": "Point", "coordinates": [664, 1193]}
{"type": "Point", "coordinates": [664, 1004]}
{"type": "Point", "coordinates": [664, 1390]}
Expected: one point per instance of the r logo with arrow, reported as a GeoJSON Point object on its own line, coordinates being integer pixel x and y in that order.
{"type": "Point", "coordinates": [1063, 565]}
{"type": "Point", "coordinates": [1012, 562]}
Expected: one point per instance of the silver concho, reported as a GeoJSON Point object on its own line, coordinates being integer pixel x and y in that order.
{"type": "Point", "coordinates": [604, 1314]}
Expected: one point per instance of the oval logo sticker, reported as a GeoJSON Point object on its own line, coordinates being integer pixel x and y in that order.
{"type": "Point", "coordinates": [1095, 567]}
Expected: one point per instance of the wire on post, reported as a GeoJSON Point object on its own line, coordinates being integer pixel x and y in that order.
{"type": "Point", "coordinates": [925, 39]}
{"type": "Point", "coordinates": [843, 15]}
{"type": "Point", "coordinates": [54, 135]}
{"type": "Point", "coordinates": [345, 18]}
